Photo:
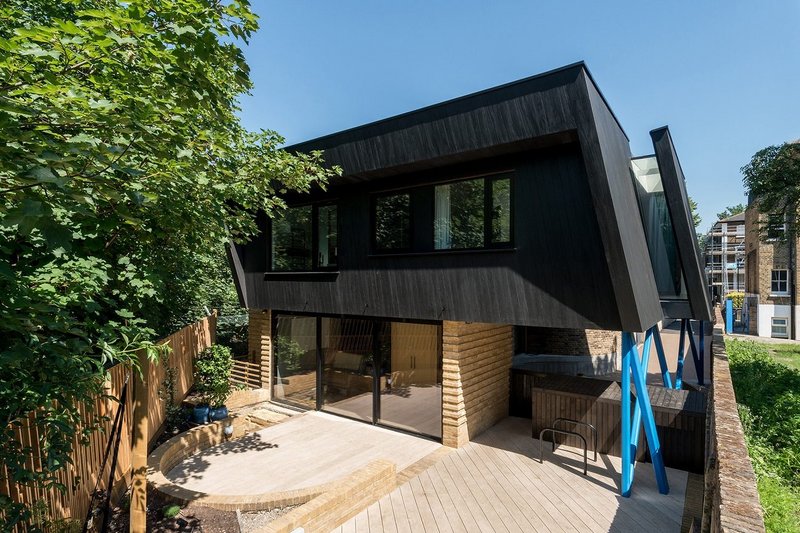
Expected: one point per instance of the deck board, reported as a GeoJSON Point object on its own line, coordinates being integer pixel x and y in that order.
{"type": "Point", "coordinates": [495, 483]}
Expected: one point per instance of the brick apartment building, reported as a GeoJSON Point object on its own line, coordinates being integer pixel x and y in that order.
{"type": "Point", "coordinates": [771, 291]}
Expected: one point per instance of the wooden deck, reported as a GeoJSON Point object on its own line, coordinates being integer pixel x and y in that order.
{"type": "Point", "coordinates": [307, 450]}
{"type": "Point", "coordinates": [496, 483]}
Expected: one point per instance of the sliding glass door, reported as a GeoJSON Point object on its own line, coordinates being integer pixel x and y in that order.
{"type": "Point", "coordinates": [378, 371]}
{"type": "Point", "coordinates": [348, 367]}
{"type": "Point", "coordinates": [411, 378]}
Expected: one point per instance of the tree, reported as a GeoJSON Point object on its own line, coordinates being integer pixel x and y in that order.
{"type": "Point", "coordinates": [695, 214]}
{"type": "Point", "coordinates": [731, 210]}
{"type": "Point", "coordinates": [772, 177]}
{"type": "Point", "coordinates": [123, 171]}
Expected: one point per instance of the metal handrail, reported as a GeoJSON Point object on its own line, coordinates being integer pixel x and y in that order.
{"type": "Point", "coordinates": [563, 432]}
{"type": "Point", "coordinates": [585, 424]}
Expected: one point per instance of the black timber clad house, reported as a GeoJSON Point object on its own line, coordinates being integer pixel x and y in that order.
{"type": "Point", "coordinates": [513, 206]}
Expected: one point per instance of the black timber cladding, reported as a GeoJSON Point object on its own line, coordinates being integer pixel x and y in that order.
{"type": "Point", "coordinates": [579, 258]}
{"type": "Point", "coordinates": [674, 184]}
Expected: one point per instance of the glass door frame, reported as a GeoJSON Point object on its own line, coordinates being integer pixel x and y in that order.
{"type": "Point", "coordinates": [378, 358]}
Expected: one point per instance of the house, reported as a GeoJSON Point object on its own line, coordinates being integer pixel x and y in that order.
{"type": "Point", "coordinates": [770, 304]}
{"type": "Point", "coordinates": [512, 219]}
{"type": "Point", "coordinates": [725, 265]}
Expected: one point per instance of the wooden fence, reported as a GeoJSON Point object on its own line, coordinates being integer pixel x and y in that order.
{"type": "Point", "coordinates": [246, 374]}
{"type": "Point", "coordinates": [84, 473]}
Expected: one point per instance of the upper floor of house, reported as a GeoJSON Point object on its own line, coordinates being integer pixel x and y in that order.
{"type": "Point", "coordinates": [516, 205]}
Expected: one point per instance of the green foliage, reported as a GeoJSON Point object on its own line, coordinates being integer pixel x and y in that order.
{"type": "Point", "coordinates": [170, 511]}
{"type": "Point", "coordinates": [212, 373]}
{"type": "Point", "coordinates": [124, 170]}
{"type": "Point", "coordinates": [772, 177]}
{"type": "Point", "coordinates": [288, 354]}
{"type": "Point", "coordinates": [769, 398]}
{"type": "Point", "coordinates": [731, 210]}
{"type": "Point", "coordinates": [696, 219]}
{"type": "Point", "coordinates": [167, 393]}
{"type": "Point", "coordinates": [737, 297]}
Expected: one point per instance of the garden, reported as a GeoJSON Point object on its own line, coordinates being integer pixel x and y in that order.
{"type": "Point", "coordinates": [768, 394]}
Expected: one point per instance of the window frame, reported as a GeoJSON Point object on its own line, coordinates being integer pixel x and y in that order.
{"type": "Point", "coordinates": [785, 325]}
{"type": "Point", "coordinates": [776, 227]}
{"type": "Point", "coordinates": [488, 203]}
{"type": "Point", "coordinates": [428, 246]}
{"type": "Point", "coordinates": [315, 267]}
{"type": "Point", "coordinates": [772, 282]}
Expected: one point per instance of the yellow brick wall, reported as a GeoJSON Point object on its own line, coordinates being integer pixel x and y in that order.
{"type": "Point", "coordinates": [259, 344]}
{"type": "Point", "coordinates": [476, 359]}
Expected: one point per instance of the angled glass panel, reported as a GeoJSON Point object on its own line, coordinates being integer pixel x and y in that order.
{"type": "Point", "coordinates": [658, 229]}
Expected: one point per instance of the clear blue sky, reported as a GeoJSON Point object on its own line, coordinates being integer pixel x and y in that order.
{"type": "Point", "coordinates": [725, 76]}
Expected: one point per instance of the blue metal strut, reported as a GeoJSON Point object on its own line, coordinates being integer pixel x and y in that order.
{"type": "Point", "coordinates": [633, 366]}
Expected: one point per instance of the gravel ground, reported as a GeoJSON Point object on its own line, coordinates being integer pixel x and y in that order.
{"type": "Point", "coordinates": [251, 521]}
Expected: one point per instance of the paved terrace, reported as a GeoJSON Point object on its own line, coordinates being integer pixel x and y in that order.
{"type": "Point", "coordinates": [496, 483]}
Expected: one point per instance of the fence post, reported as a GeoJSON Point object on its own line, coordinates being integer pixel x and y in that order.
{"type": "Point", "coordinates": [728, 316]}
{"type": "Point", "coordinates": [138, 507]}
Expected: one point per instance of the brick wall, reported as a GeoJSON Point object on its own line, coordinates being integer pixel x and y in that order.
{"type": "Point", "coordinates": [259, 343]}
{"type": "Point", "coordinates": [476, 360]}
{"type": "Point", "coordinates": [731, 497]}
{"type": "Point", "coordinates": [564, 341]}
{"type": "Point", "coordinates": [769, 256]}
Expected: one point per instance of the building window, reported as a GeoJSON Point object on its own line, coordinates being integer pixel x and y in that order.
{"type": "Point", "coordinates": [472, 213]}
{"type": "Point", "coordinates": [304, 239]}
{"type": "Point", "coordinates": [780, 282]}
{"type": "Point", "coordinates": [327, 239]}
{"type": "Point", "coordinates": [776, 226]}
{"type": "Point", "coordinates": [392, 222]}
{"type": "Point", "coordinates": [780, 327]}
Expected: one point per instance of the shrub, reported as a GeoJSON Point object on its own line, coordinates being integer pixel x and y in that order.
{"type": "Point", "coordinates": [737, 297]}
{"type": "Point", "coordinates": [170, 510]}
{"type": "Point", "coordinates": [212, 372]}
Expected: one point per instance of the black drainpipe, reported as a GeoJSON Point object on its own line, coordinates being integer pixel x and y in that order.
{"type": "Point", "coordinates": [792, 293]}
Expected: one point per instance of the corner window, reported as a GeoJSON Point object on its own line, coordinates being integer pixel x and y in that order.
{"type": "Point", "coordinates": [304, 239]}
{"type": "Point", "coordinates": [472, 213]}
{"type": "Point", "coordinates": [780, 327]}
{"type": "Point", "coordinates": [779, 282]}
{"type": "Point", "coordinates": [392, 222]}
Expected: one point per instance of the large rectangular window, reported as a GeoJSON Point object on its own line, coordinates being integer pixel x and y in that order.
{"type": "Point", "coordinates": [392, 222]}
{"type": "Point", "coordinates": [472, 213]}
{"type": "Point", "coordinates": [305, 238]}
{"type": "Point", "coordinates": [780, 282]}
{"type": "Point", "coordinates": [294, 375]}
{"type": "Point", "coordinates": [291, 240]}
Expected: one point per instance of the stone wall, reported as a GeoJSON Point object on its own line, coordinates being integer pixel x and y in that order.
{"type": "Point", "coordinates": [476, 360]}
{"type": "Point", "coordinates": [564, 341]}
{"type": "Point", "coordinates": [259, 344]}
{"type": "Point", "coordinates": [731, 497]}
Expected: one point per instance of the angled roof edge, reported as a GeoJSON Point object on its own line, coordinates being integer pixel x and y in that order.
{"type": "Point", "coordinates": [674, 183]}
{"type": "Point", "coordinates": [579, 65]}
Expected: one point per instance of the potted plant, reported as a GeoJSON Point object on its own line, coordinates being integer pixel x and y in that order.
{"type": "Point", "coordinates": [212, 372]}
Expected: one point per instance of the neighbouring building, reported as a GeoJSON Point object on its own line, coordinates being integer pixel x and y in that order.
{"type": "Point", "coordinates": [771, 263]}
{"type": "Point", "coordinates": [725, 262]}
{"type": "Point", "coordinates": [507, 221]}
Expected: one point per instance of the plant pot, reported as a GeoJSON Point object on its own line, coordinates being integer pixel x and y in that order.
{"type": "Point", "coordinates": [218, 413]}
{"type": "Point", "coordinates": [200, 414]}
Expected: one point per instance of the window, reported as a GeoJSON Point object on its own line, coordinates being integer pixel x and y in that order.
{"type": "Point", "coordinates": [780, 282]}
{"type": "Point", "coordinates": [472, 213]}
{"type": "Point", "coordinates": [392, 222]}
{"type": "Point", "coordinates": [327, 236]}
{"type": "Point", "coordinates": [304, 239]}
{"type": "Point", "coordinates": [776, 226]}
{"type": "Point", "coordinates": [780, 327]}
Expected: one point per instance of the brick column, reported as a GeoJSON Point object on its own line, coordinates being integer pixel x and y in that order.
{"type": "Point", "coordinates": [476, 364]}
{"type": "Point", "coordinates": [259, 344]}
